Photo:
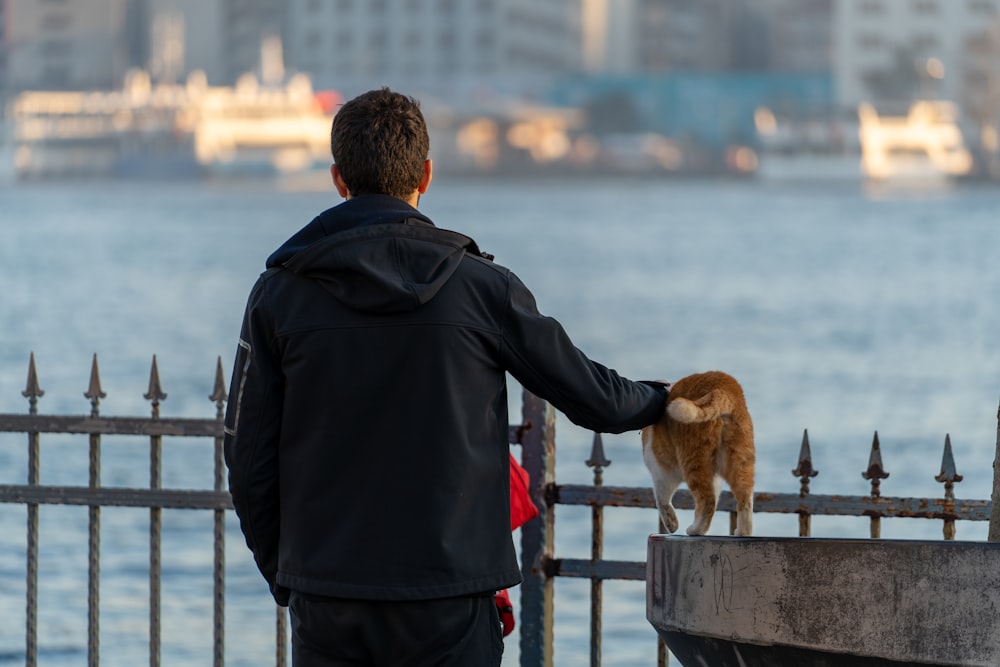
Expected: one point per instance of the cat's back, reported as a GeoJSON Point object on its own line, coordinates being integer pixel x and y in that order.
{"type": "Point", "coordinates": [698, 385]}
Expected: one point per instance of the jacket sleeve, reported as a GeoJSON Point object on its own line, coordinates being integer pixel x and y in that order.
{"type": "Point", "coordinates": [540, 355]}
{"type": "Point", "coordinates": [252, 431]}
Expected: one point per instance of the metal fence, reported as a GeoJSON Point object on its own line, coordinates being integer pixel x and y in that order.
{"type": "Point", "coordinates": [95, 426]}
{"type": "Point", "coordinates": [542, 566]}
{"type": "Point", "coordinates": [536, 436]}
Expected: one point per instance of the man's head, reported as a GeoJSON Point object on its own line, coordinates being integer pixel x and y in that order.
{"type": "Point", "coordinates": [380, 144]}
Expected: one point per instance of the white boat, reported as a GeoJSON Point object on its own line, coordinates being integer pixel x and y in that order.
{"type": "Point", "coordinates": [923, 146]}
{"type": "Point", "coordinates": [816, 150]}
{"type": "Point", "coordinates": [279, 126]}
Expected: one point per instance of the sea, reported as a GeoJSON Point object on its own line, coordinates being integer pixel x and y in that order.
{"type": "Point", "coordinates": [845, 311]}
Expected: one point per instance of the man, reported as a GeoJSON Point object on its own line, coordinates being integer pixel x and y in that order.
{"type": "Point", "coordinates": [366, 432]}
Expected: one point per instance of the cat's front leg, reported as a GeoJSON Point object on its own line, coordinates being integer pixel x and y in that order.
{"type": "Point", "coordinates": [669, 518]}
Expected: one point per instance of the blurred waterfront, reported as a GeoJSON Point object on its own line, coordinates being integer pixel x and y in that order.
{"type": "Point", "coordinates": [842, 309]}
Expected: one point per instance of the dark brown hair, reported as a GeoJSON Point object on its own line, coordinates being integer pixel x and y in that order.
{"type": "Point", "coordinates": [379, 142]}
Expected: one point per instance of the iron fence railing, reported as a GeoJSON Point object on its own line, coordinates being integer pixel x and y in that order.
{"type": "Point", "coordinates": [542, 566]}
{"type": "Point", "coordinates": [536, 436]}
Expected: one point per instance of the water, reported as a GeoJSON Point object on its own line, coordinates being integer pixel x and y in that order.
{"type": "Point", "coordinates": [842, 311]}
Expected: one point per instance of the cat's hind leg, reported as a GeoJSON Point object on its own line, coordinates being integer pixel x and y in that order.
{"type": "Point", "coordinates": [741, 484]}
{"type": "Point", "coordinates": [665, 483]}
{"type": "Point", "coordinates": [706, 498]}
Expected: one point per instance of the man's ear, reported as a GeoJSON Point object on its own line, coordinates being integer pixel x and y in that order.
{"type": "Point", "coordinates": [425, 180]}
{"type": "Point", "coordinates": [338, 182]}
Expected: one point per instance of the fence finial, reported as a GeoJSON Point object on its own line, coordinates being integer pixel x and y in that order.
{"type": "Point", "coordinates": [949, 477]}
{"type": "Point", "coordinates": [32, 391]}
{"type": "Point", "coordinates": [876, 472]}
{"type": "Point", "coordinates": [94, 392]}
{"type": "Point", "coordinates": [597, 458]}
{"type": "Point", "coordinates": [219, 393]}
{"type": "Point", "coordinates": [804, 471]}
{"type": "Point", "coordinates": [155, 393]}
{"type": "Point", "coordinates": [948, 474]}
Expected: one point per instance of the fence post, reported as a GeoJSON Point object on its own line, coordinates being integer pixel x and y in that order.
{"type": "Point", "coordinates": [155, 395]}
{"type": "Point", "coordinates": [219, 396]}
{"type": "Point", "coordinates": [598, 462]}
{"type": "Point", "coordinates": [95, 394]}
{"type": "Point", "coordinates": [32, 392]}
{"type": "Point", "coordinates": [994, 535]}
{"type": "Point", "coordinates": [538, 454]}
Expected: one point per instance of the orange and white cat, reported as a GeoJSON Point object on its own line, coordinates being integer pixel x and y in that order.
{"type": "Point", "coordinates": [704, 437]}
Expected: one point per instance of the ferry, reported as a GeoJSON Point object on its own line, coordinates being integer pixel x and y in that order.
{"type": "Point", "coordinates": [172, 129]}
{"type": "Point", "coordinates": [923, 146]}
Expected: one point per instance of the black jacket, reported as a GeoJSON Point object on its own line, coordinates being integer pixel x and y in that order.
{"type": "Point", "coordinates": [366, 431]}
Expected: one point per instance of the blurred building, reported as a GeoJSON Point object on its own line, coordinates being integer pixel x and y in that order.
{"type": "Point", "coordinates": [178, 37]}
{"type": "Point", "coordinates": [91, 44]}
{"type": "Point", "coordinates": [733, 35]}
{"type": "Point", "coordinates": [451, 49]}
{"type": "Point", "coordinates": [246, 25]}
{"type": "Point", "coordinates": [4, 84]}
{"type": "Point", "coordinates": [56, 44]}
{"type": "Point", "coordinates": [892, 52]}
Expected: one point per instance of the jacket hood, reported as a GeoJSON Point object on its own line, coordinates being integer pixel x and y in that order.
{"type": "Point", "coordinates": [376, 254]}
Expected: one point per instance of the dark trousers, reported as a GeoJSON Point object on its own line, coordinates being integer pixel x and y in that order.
{"type": "Point", "coordinates": [450, 632]}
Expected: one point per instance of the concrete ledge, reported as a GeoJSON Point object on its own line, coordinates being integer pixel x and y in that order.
{"type": "Point", "coordinates": [724, 601]}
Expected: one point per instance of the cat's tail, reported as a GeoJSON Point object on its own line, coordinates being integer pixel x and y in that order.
{"type": "Point", "coordinates": [711, 406]}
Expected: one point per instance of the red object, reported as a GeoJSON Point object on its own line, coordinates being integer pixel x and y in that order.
{"type": "Point", "coordinates": [522, 510]}
{"type": "Point", "coordinates": [327, 101]}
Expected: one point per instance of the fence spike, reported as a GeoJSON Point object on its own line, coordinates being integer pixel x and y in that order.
{"type": "Point", "coordinates": [94, 392]}
{"type": "Point", "coordinates": [219, 394]}
{"type": "Point", "coordinates": [804, 471]}
{"type": "Point", "coordinates": [32, 391]}
{"type": "Point", "coordinates": [876, 471]}
{"type": "Point", "coordinates": [948, 475]}
{"type": "Point", "coordinates": [597, 458]}
{"type": "Point", "coordinates": [155, 393]}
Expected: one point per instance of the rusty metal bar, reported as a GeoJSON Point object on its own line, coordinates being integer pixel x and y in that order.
{"type": "Point", "coordinates": [219, 396]}
{"type": "Point", "coordinates": [115, 497]}
{"type": "Point", "coordinates": [804, 471]}
{"type": "Point", "coordinates": [875, 473]}
{"type": "Point", "coordinates": [598, 462]}
{"type": "Point", "coordinates": [32, 392]}
{"type": "Point", "coordinates": [155, 395]}
{"type": "Point", "coordinates": [778, 503]}
{"type": "Point", "coordinates": [949, 477]}
{"type": "Point", "coordinates": [579, 568]}
{"type": "Point", "coordinates": [95, 394]}
{"type": "Point", "coordinates": [538, 456]}
{"type": "Point", "coordinates": [84, 425]}
{"type": "Point", "coordinates": [994, 533]}
{"type": "Point", "coordinates": [281, 658]}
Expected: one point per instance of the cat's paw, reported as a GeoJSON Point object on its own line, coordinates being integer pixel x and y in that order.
{"type": "Point", "coordinates": [669, 519]}
{"type": "Point", "coordinates": [698, 528]}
